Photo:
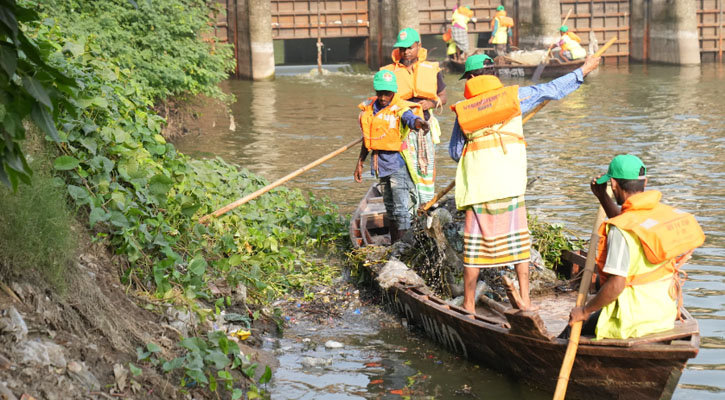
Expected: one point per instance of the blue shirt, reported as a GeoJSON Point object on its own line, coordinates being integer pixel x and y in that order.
{"type": "Point", "coordinates": [391, 161]}
{"type": "Point", "coordinates": [529, 97]}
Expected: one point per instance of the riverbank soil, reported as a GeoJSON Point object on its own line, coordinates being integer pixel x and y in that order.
{"type": "Point", "coordinates": [83, 343]}
{"type": "Point", "coordinates": [79, 344]}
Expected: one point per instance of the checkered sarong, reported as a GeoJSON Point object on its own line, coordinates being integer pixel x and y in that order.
{"type": "Point", "coordinates": [496, 234]}
{"type": "Point", "coordinates": [460, 36]}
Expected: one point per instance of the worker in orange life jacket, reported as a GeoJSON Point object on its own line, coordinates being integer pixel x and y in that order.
{"type": "Point", "coordinates": [636, 257]}
{"type": "Point", "coordinates": [385, 121]}
{"type": "Point", "coordinates": [420, 81]}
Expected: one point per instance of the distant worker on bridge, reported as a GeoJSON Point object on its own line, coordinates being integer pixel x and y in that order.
{"type": "Point", "coordinates": [458, 42]}
{"type": "Point", "coordinates": [419, 81]}
{"type": "Point", "coordinates": [636, 256]}
{"type": "Point", "coordinates": [569, 46]}
{"type": "Point", "coordinates": [501, 30]}
{"type": "Point", "coordinates": [488, 144]}
{"type": "Point", "coordinates": [386, 121]}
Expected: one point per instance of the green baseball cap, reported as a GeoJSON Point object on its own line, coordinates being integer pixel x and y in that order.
{"type": "Point", "coordinates": [623, 166]}
{"type": "Point", "coordinates": [500, 8]}
{"type": "Point", "coordinates": [474, 62]}
{"type": "Point", "coordinates": [564, 28]}
{"type": "Point", "coordinates": [407, 37]}
{"type": "Point", "coordinates": [385, 80]}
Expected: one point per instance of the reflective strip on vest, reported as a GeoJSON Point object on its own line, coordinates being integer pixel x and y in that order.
{"type": "Point", "coordinates": [493, 165]}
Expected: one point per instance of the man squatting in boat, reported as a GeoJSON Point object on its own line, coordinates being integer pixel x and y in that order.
{"type": "Point", "coordinates": [569, 46]}
{"type": "Point", "coordinates": [641, 291]}
{"type": "Point", "coordinates": [386, 121]}
{"type": "Point", "coordinates": [488, 144]}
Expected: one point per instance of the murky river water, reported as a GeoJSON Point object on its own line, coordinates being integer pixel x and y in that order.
{"type": "Point", "coordinates": [671, 117]}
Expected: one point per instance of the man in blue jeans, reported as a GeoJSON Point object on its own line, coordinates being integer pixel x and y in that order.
{"type": "Point", "coordinates": [387, 118]}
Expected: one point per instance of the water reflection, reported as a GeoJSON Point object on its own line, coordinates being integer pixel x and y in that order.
{"type": "Point", "coordinates": [672, 117]}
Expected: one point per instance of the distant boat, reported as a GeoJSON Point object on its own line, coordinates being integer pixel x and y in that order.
{"type": "Point", "coordinates": [507, 67]}
{"type": "Point", "coordinates": [523, 344]}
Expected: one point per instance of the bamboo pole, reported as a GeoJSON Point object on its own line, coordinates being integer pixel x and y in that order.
{"type": "Point", "coordinates": [581, 299]}
{"type": "Point", "coordinates": [278, 182]}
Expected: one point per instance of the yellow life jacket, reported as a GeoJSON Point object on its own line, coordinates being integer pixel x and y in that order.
{"type": "Point", "coordinates": [504, 23]}
{"type": "Point", "coordinates": [571, 43]}
{"type": "Point", "coordinates": [493, 162]}
{"type": "Point", "coordinates": [382, 131]}
{"type": "Point", "coordinates": [655, 235]}
{"type": "Point", "coordinates": [421, 82]}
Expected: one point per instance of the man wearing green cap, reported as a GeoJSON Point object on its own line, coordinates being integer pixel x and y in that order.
{"type": "Point", "coordinates": [488, 144]}
{"type": "Point", "coordinates": [636, 256]}
{"type": "Point", "coordinates": [569, 45]}
{"type": "Point", "coordinates": [386, 122]}
{"type": "Point", "coordinates": [501, 30]}
{"type": "Point", "coordinates": [419, 81]}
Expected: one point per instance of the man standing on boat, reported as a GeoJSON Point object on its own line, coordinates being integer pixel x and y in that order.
{"type": "Point", "coordinates": [488, 144]}
{"type": "Point", "coordinates": [570, 48]}
{"type": "Point", "coordinates": [386, 121]}
{"type": "Point", "coordinates": [636, 256]}
{"type": "Point", "coordinates": [419, 81]}
{"type": "Point", "coordinates": [459, 31]}
{"type": "Point", "coordinates": [501, 30]}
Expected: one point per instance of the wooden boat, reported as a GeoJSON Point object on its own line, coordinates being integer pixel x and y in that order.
{"type": "Point", "coordinates": [509, 68]}
{"type": "Point", "coordinates": [524, 345]}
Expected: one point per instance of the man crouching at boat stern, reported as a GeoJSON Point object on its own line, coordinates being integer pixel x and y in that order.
{"type": "Point", "coordinates": [385, 121]}
{"type": "Point", "coordinates": [488, 144]}
{"type": "Point", "coordinates": [637, 257]}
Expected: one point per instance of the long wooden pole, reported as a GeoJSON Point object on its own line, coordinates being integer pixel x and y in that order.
{"type": "Point", "coordinates": [581, 299]}
{"type": "Point", "coordinates": [278, 182]}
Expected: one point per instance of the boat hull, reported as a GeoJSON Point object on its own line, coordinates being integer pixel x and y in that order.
{"type": "Point", "coordinates": [649, 371]}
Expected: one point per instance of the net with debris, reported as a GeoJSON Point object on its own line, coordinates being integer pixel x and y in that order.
{"type": "Point", "coordinates": [431, 254]}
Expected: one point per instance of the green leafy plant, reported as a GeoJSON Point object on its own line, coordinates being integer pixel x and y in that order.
{"type": "Point", "coordinates": [550, 240]}
{"type": "Point", "coordinates": [31, 86]}
{"type": "Point", "coordinates": [209, 362]}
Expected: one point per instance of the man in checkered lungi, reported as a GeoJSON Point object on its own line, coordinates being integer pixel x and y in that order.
{"type": "Point", "coordinates": [488, 144]}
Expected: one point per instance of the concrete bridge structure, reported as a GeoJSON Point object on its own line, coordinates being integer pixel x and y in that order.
{"type": "Point", "coordinates": [665, 31]}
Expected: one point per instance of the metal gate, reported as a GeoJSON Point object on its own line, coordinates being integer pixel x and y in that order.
{"type": "Point", "coordinates": [710, 27]}
{"type": "Point", "coordinates": [435, 15]}
{"type": "Point", "coordinates": [298, 19]}
{"type": "Point", "coordinates": [605, 19]}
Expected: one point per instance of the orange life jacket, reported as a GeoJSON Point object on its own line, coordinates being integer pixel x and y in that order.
{"type": "Point", "coordinates": [381, 131]}
{"type": "Point", "coordinates": [422, 82]}
{"type": "Point", "coordinates": [574, 37]}
{"type": "Point", "coordinates": [664, 232]}
{"type": "Point", "coordinates": [486, 105]}
{"type": "Point", "coordinates": [503, 20]}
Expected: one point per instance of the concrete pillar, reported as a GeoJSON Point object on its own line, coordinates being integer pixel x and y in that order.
{"type": "Point", "coordinates": [408, 16]}
{"type": "Point", "coordinates": [638, 29]}
{"type": "Point", "coordinates": [673, 36]}
{"type": "Point", "coordinates": [260, 38]}
{"type": "Point", "coordinates": [539, 22]}
{"type": "Point", "coordinates": [383, 19]}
